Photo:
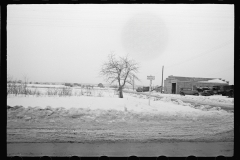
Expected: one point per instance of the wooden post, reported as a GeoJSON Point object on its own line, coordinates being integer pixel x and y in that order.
{"type": "Point", "coordinates": [150, 78]}
{"type": "Point", "coordinates": [149, 92]}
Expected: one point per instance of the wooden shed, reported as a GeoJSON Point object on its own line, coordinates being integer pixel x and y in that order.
{"type": "Point", "coordinates": [172, 84]}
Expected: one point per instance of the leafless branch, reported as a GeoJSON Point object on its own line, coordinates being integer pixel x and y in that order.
{"type": "Point", "coordinates": [122, 70]}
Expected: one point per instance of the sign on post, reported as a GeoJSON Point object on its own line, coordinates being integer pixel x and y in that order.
{"type": "Point", "coordinates": [150, 78]}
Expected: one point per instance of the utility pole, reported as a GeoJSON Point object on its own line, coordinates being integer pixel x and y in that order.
{"type": "Point", "coordinates": [162, 80]}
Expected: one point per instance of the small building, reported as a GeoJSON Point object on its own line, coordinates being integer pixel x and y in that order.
{"type": "Point", "coordinates": [173, 84]}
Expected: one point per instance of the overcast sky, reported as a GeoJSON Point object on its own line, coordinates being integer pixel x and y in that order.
{"type": "Point", "coordinates": [68, 43]}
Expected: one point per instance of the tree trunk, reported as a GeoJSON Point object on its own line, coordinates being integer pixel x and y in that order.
{"type": "Point", "coordinates": [120, 92]}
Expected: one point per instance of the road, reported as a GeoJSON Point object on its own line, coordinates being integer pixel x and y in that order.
{"type": "Point", "coordinates": [179, 149]}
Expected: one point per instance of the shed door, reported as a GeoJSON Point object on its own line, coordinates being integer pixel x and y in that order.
{"type": "Point", "coordinates": [194, 87]}
{"type": "Point", "coordinates": [173, 88]}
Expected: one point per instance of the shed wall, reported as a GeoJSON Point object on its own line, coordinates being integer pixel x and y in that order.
{"type": "Point", "coordinates": [185, 84]}
{"type": "Point", "coordinates": [167, 87]}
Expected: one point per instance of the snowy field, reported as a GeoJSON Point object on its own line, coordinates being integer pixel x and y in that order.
{"type": "Point", "coordinates": [107, 100]}
{"type": "Point", "coordinates": [164, 119]}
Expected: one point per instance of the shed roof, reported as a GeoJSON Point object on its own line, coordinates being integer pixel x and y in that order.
{"type": "Point", "coordinates": [190, 78]}
{"type": "Point", "coordinates": [214, 81]}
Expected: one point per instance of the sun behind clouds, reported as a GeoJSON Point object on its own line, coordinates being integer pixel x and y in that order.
{"type": "Point", "coordinates": [144, 36]}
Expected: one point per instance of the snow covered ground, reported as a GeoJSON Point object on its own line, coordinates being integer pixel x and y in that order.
{"type": "Point", "coordinates": [104, 116]}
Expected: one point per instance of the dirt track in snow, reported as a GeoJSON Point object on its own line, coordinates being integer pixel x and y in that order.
{"type": "Point", "coordinates": [34, 124]}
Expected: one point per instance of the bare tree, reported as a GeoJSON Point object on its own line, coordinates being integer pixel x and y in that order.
{"type": "Point", "coordinates": [119, 70]}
